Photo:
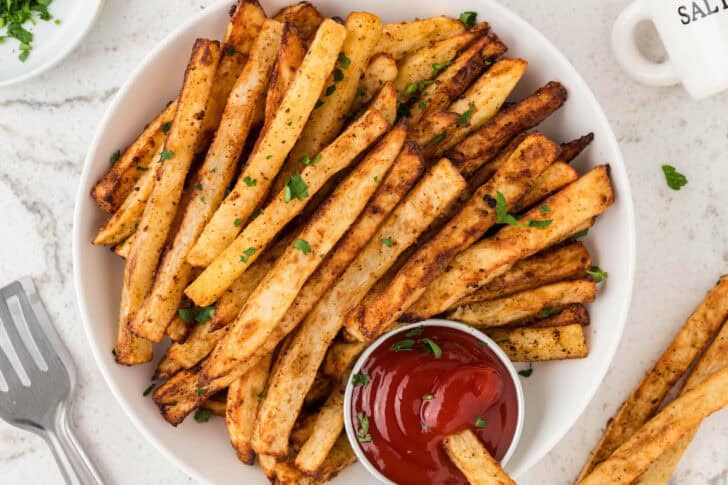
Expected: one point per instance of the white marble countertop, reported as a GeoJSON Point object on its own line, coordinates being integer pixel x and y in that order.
{"type": "Point", "coordinates": [47, 124]}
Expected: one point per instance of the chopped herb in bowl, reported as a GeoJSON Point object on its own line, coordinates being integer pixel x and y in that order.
{"type": "Point", "coordinates": [16, 15]}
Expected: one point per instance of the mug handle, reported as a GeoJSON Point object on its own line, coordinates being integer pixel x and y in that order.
{"type": "Point", "coordinates": [630, 58]}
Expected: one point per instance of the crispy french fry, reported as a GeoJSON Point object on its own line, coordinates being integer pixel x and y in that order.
{"type": "Point", "coordinates": [569, 315]}
{"type": "Point", "coordinates": [178, 397]}
{"type": "Point", "coordinates": [327, 428]}
{"type": "Point", "coordinates": [212, 179]}
{"type": "Point", "coordinates": [114, 188]}
{"type": "Point", "coordinates": [661, 432]}
{"type": "Point", "coordinates": [340, 456]}
{"type": "Point", "coordinates": [272, 146]}
{"type": "Point", "coordinates": [271, 299]}
{"type": "Point", "coordinates": [484, 173]}
{"type": "Point", "coordinates": [126, 219]}
{"type": "Point", "coordinates": [244, 250]}
{"type": "Point", "coordinates": [571, 207]}
{"type": "Point", "coordinates": [456, 77]}
{"type": "Point", "coordinates": [123, 249]}
{"type": "Point", "coordinates": [552, 180]}
{"type": "Point", "coordinates": [381, 70]}
{"type": "Point", "coordinates": [268, 464]}
{"type": "Point", "coordinates": [303, 16]}
{"type": "Point", "coordinates": [556, 264]}
{"type": "Point", "coordinates": [308, 347]}
{"type": "Point", "coordinates": [161, 207]}
{"type": "Point", "coordinates": [217, 407]}
{"type": "Point", "coordinates": [481, 146]}
{"type": "Point", "coordinates": [243, 399]}
{"type": "Point", "coordinates": [339, 356]}
{"type": "Point", "coordinates": [527, 344]}
{"type": "Point", "coordinates": [570, 150]}
{"type": "Point", "coordinates": [714, 359]}
{"type": "Point", "coordinates": [302, 430]}
{"type": "Point", "coordinates": [177, 330]}
{"type": "Point", "coordinates": [473, 459]}
{"type": "Point", "coordinates": [318, 392]}
{"type": "Point", "coordinates": [700, 327]}
{"type": "Point", "coordinates": [403, 38]}
{"type": "Point", "coordinates": [478, 215]}
{"type": "Point", "coordinates": [417, 67]}
{"type": "Point", "coordinates": [524, 305]}
{"type": "Point", "coordinates": [290, 57]}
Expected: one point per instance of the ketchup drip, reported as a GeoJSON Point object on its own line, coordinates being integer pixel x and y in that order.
{"type": "Point", "coordinates": [414, 399]}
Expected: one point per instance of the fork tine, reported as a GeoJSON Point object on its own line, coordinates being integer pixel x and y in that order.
{"type": "Point", "coordinates": [36, 332]}
{"type": "Point", "coordinates": [8, 372]}
{"type": "Point", "coordinates": [11, 330]}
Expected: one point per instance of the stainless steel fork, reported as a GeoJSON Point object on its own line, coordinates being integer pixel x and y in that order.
{"type": "Point", "coordinates": [38, 379]}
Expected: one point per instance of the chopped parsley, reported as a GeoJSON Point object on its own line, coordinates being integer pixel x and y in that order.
{"type": "Point", "coordinates": [546, 312]}
{"type": "Point", "coordinates": [580, 234]}
{"type": "Point", "coordinates": [268, 157]}
{"type": "Point", "coordinates": [148, 390]}
{"type": "Point", "coordinates": [501, 211]}
{"type": "Point", "coordinates": [675, 180]}
{"type": "Point", "coordinates": [115, 157]}
{"type": "Point", "coordinates": [415, 332]}
{"type": "Point", "coordinates": [402, 345]}
{"type": "Point", "coordinates": [197, 314]}
{"type": "Point", "coordinates": [344, 61]}
{"type": "Point", "coordinates": [597, 274]}
{"type": "Point", "coordinates": [237, 222]}
{"type": "Point", "coordinates": [255, 214]}
{"type": "Point", "coordinates": [249, 181]}
{"type": "Point", "coordinates": [290, 123]}
{"type": "Point", "coordinates": [16, 13]}
{"type": "Point", "coordinates": [422, 105]}
{"type": "Point", "coordinates": [307, 160]}
{"type": "Point", "coordinates": [165, 155]}
{"type": "Point", "coordinates": [166, 127]}
{"type": "Point", "coordinates": [296, 188]}
{"type": "Point", "coordinates": [526, 372]}
{"type": "Point", "coordinates": [302, 245]}
{"type": "Point", "coordinates": [387, 241]}
{"type": "Point", "coordinates": [438, 138]}
{"type": "Point", "coordinates": [230, 50]}
{"type": "Point", "coordinates": [198, 186]}
{"type": "Point", "coordinates": [540, 224]}
{"type": "Point", "coordinates": [439, 66]}
{"type": "Point", "coordinates": [247, 254]}
{"type": "Point", "coordinates": [468, 19]}
{"type": "Point", "coordinates": [142, 169]}
{"type": "Point", "coordinates": [202, 415]}
{"type": "Point", "coordinates": [330, 90]}
{"type": "Point", "coordinates": [376, 179]}
{"type": "Point", "coordinates": [318, 104]}
{"type": "Point", "coordinates": [360, 379]}
{"type": "Point", "coordinates": [201, 391]}
{"type": "Point", "coordinates": [481, 423]}
{"type": "Point", "coordinates": [363, 433]}
{"type": "Point", "coordinates": [338, 75]}
{"type": "Point", "coordinates": [259, 397]}
{"type": "Point", "coordinates": [411, 88]}
{"type": "Point", "coordinates": [432, 347]}
{"type": "Point", "coordinates": [545, 209]}
{"type": "Point", "coordinates": [464, 119]}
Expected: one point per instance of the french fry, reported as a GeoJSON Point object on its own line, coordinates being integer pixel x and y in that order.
{"type": "Point", "coordinates": [403, 38]}
{"type": "Point", "coordinates": [327, 428]}
{"type": "Point", "coordinates": [478, 215]}
{"type": "Point", "coordinates": [456, 77]}
{"type": "Point", "coordinates": [484, 173]}
{"type": "Point", "coordinates": [556, 264]}
{"type": "Point", "coordinates": [217, 407]}
{"type": "Point", "coordinates": [340, 456]}
{"type": "Point", "coordinates": [290, 57]}
{"type": "Point", "coordinates": [472, 458]}
{"type": "Point", "coordinates": [661, 432]}
{"type": "Point", "coordinates": [553, 179]}
{"type": "Point", "coordinates": [571, 207]}
{"type": "Point", "coordinates": [212, 180]}
{"type": "Point", "coordinates": [363, 33]}
{"type": "Point", "coordinates": [527, 344]}
{"type": "Point", "coordinates": [417, 67]}
{"type": "Point", "coordinates": [642, 403]}
{"type": "Point", "coordinates": [339, 356]}
{"type": "Point", "coordinates": [125, 220]}
{"type": "Point", "coordinates": [570, 314]}
{"type": "Point", "coordinates": [714, 359]}
{"type": "Point", "coordinates": [244, 250]}
{"type": "Point", "coordinates": [177, 330]}
{"type": "Point", "coordinates": [570, 150]}
{"type": "Point", "coordinates": [123, 249]}
{"type": "Point", "coordinates": [381, 70]}
{"type": "Point", "coordinates": [302, 430]}
{"type": "Point", "coordinates": [303, 16]}
{"type": "Point", "coordinates": [114, 188]}
{"type": "Point", "coordinates": [481, 102]}
{"type": "Point", "coordinates": [161, 207]}
{"type": "Point", "coordinates": [243, 398]}
{"type": "Point", "coordinates": [268, 464]}
{"type": "Point", "coordinates": [298, 366]}
{"type": "Point", "coordinates": [271, 299]}
{"type": "Point", "coordinates": [318, 392]}
{"type": "Point", "coordinates": [524, 305]}
{"type": "Point", "coordinates": [178, 397]}
{"type": "Point", "coordinates": [485, 143]}
{"type": "Point", "coordinates": [272, 146]}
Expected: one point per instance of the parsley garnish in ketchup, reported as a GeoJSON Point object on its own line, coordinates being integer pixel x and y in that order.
{"type": "Point", "coordinates": [423, 385]}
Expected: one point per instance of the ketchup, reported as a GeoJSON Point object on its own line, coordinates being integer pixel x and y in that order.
{"type": "Point", "coordinates": [422, 385]}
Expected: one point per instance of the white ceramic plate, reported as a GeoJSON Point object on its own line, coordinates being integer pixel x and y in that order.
{"type": "Point", "coordinates": [51, 42]}
{"type": "Point", "coordinates": [556, 393]}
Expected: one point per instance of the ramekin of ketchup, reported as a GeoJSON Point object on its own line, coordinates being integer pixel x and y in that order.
{"type": "Point", "coordinates": [416, 385]}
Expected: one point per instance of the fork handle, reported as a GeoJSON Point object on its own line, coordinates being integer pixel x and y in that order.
{"type": "Point", "coordinates": [75, 465]}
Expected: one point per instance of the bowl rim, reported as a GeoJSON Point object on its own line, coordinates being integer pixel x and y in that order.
{"type": "Point", "coordinates": [550, 51]}
{"type": "Point", "coordinates": [432, 322]}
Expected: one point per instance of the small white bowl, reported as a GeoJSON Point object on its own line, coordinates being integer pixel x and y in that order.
{"type": "Point", "coordinates": [434, 322]}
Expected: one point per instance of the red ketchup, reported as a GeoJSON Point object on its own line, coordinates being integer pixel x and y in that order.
{"type": "Point", "coordinates": [421, 386]}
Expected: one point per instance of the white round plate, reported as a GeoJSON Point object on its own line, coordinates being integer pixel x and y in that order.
{"type": "Point", "coordinates": [51, 42]}
{"type": "Point", "coordinates": [556, 393]}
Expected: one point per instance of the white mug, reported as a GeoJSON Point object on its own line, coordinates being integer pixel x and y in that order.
{"type": "Point", "coordinates": [695, 36]}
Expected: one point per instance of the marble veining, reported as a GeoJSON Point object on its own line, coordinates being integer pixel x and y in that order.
{"type": "Point", "coordinates": [46, 126]}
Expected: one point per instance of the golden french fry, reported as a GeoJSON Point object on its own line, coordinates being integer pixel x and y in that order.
{"type": "Point", "coordinates": [481, 146]}
{"type": "Point", "coordinates": [290, 57]}
{"type": "Point", "coordinates": [553, 179]}
{"type": "Point", "coordinates": [290, 201]}
{"type": "Point", "coordinates": [243, 398]}
{"type": "Point", "coordinates": [303, 16]}
{"type": "Point", "coordinates": [642, 403]}
{"type": "Point", "coordinates": [272, 146]}
{"type": "Point", "coordinates": [571, 149]}
{"type": "Point", "coordinates": [556, 264]}
{"type": "Point", "coordinates": [381, 70]}
{"type": "Point", "coordinates": [217, 407]}
{"type": "Point", "coordinates": [161, 208]}
{"type": "Point", "coordinates": [571, 207]}
{"type": "Point", "coordinates": [122, 250]}
{"type": "Point", "coordinates": [524, 305]}
{"type": "Point", "coordinates": [339, 356]}
{"type": "Point", "coordinates": [484, 173]}
{"type": "Point", "coordinates": [177, 330]}
{"type": "Point", "coordinates": [118, 184]}
{"type": "Point", "coordinates": [570, 314]}
{"type": "Point", "coordinates": [340, 456]}
{"type": "Point", "coordinates": [472, 458]}
{"type": "Point", "coordinates": [299, 364]}
{"type": "Point", "coordinates": [661, 432]}
{"type": "Point", "coordinates": [327, 428]}
{"type": "Point", "coordinates": [212, 180]}
{"type": "Point", "coordinates": [478, 215]}
{"type": "Point", "coordinates": [528, 344]}
{"type": "Point", "coordinates": [403, 38]}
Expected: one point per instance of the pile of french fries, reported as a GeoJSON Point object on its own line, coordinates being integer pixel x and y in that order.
{"type": "Point", "coordinates": [316, 182]}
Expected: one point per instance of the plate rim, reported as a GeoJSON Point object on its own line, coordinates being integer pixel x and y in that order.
{"type": "Point", "coordinates": [625, 194]}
